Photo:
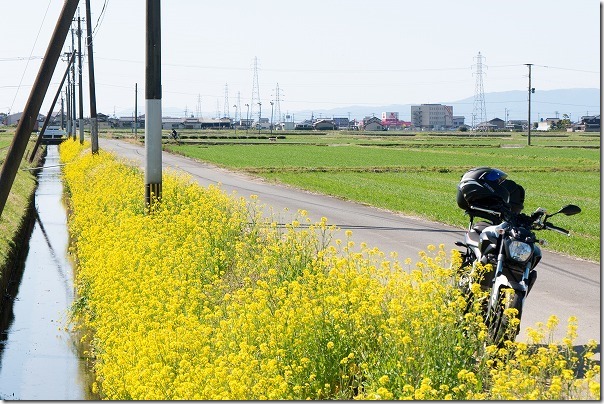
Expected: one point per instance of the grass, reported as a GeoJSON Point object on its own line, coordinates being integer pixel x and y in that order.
{"type": "Point", "coordinates": [14, 215]}
{"type": "Point", "coordinates": [418, 175]}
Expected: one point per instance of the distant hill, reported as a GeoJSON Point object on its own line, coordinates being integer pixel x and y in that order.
{"type": "Point", "coordinates": [576, 102]}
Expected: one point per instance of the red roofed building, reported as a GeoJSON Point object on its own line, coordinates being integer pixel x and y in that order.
{"type": "Point", "coordinates": [390, 121]}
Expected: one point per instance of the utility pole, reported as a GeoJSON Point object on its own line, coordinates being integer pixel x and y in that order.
{"type": "Point", "coordinates": [68, 97]}
{"type": "Point", "coordinates": [94, 125]}
{"type": "Point", "coordinates": [52, 106]}
{"type": "Point", "coordinates": [36, 96]}
{"type": "Point", "coordinates": [272, 103]}
{"type": "Point", "coordinates": [530, 90]}
{"type": "Point", "coordinates": [259, 117]}
{"type": "Point", "coordinates": [73, 91]}
{"type": "Point", "coordinates": [153, 161]}
{"type": "Point", "coordinates": [62, 112]}
{"type": "Point", "coordinates": [80, 90]}
{"type": "Point", "coordinates": [135, 111]}
{"type": "Point", "coordinates": [247, 119]}
{"type": "Point", "coordinates": [235, 120]}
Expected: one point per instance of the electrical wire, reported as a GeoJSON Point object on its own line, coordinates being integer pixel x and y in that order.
{"type": "Point", "coordinates": [565, 68]}
{"type": "Point", "coordinates": [100, 20]}
{"type": "Point", "coordinates": [19, 58]}
{"type": "Point", "coordinates": [30, 56]}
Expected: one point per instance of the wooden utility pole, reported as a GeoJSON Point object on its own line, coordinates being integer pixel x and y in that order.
{"type": "Point", "coordinates": [153, 160]}
{"type": "Point", "coordinates": [52, 106]}
{"type": "Point", "coordinates": [94, 125]}
{"type": "Point", "coordinates": [36, 96]}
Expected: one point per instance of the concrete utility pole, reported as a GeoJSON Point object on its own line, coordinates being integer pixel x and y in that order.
{"type": "Point", "coordinates": [94, 125]}
{"type": "Point", "coordinates": [62, 112]}
{"type": "Point", "coordinates": [272, 103]}
{"type": "Point", "coordinates": [259, 117]}
{"type": "Point", "coordinates": [135, 111]}
{"type": "Point", "coordinates": [36, 96]}
{"type": "Point", "coordinates": [153, 161]}
{"type": "Point", "coordinates": [68, 97]}
{"type": "Point", "coordinates": [80, 90]}
{"type": "Point", "coordinates": [73, 91]}
{"type": "Point", "coordinates": [530, 90]}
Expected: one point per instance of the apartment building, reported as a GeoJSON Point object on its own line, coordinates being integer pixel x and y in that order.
{"type": "Point", "coordinates": [432, 116]}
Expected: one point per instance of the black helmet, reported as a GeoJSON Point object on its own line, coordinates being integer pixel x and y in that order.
{"type": "Point", "coordinates": [482, 186]}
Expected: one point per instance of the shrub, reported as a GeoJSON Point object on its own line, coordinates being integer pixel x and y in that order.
{"type": "Point", "coordinates": [205, 298]}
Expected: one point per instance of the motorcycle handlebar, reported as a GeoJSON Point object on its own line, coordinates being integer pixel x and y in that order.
{"type": "Point", "coordinates": [550, 226]}
{"type": "Point", "coordinates": [489, 211]}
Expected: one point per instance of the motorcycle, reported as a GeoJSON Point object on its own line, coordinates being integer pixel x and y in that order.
{"type": "Point", "coordinates": [512, 250]}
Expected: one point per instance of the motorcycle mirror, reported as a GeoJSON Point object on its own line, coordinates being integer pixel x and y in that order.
{"type": "Point", "coordinates": [569, 210]}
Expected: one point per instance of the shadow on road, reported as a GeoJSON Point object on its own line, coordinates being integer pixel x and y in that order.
{"type": "Point", "coordinates": [579, 351]}
{"type": "Point", "coordinates": [389, 228]}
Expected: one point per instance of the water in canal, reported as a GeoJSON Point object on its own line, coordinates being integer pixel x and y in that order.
{"type": "Point", "coordinates": [39, 360]}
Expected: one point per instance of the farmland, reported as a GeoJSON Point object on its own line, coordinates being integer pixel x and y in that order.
{"type": "Point", "coordinates": [208, 299]}
{"type": "Point", "coordinates": [417, 174]}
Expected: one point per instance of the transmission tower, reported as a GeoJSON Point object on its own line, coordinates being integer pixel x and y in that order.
{"type": "Point", "coordinates": [480, 110]}
{"type": "Point", "coordinates": [277, 104]}
{"type": "Point", "coordinates": [227, 106]}
{"type": "Point", "coordinates": [255, 90]}
{"type": "Point", "coordinates": [198, 112]}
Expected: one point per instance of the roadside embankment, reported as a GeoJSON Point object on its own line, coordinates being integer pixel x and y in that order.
{"type": "Point", "coordinates": [17, 220]}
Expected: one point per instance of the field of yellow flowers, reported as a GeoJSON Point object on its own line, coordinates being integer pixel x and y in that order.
{"type": "Point", "coordinates": [204, 298]}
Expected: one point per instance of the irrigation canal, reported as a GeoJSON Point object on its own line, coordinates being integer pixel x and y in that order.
{"type": "Point", "coordinates": [39, 359]}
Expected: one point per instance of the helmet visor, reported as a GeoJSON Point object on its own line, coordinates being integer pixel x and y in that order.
{"type": "Point", "coordinates": [495, 175]}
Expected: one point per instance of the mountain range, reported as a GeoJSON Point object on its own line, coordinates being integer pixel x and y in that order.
{"type": "Point", "coordinates": [575, 102]}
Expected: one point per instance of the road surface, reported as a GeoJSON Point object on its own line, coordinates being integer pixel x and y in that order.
{"type": "Point", "coordinates": [565, 286]}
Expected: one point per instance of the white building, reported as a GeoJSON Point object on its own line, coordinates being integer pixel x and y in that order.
{"type": "Point", "coordinates": [432, 116]}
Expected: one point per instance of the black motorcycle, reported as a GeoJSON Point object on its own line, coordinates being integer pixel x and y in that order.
{"type": "Point", "coordinates": [507, 245]}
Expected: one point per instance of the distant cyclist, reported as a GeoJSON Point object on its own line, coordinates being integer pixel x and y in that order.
{"type": "Point", "coordinates": [175, 135]}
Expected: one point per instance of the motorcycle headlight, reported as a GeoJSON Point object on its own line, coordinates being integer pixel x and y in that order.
{"type": "Point", "coordinates": [520, 251]}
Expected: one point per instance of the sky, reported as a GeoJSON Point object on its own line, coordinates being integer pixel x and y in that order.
{"type": "Point", "coordinates": [322, 54]}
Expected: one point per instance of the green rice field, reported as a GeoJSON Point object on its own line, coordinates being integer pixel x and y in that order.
{"type": "Point", "coordinates": [418, 174]}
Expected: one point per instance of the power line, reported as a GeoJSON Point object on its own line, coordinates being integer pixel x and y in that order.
{"type": "Point", "coordinates": [569, 69]}
{"type": "Point", "coordinates": [30, 55]}
{"type": "Point", "coordinates": [100, 19]}
{"type": "Point", "coordinates": [19, 58]}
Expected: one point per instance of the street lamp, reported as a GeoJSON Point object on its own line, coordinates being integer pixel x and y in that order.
{"type": "Point", "coordinates": [235, 106]}
{"type": "Point", "coordinates": [272, 103]}
{"type": "Point", "coordinates": [259, 117]}
{"type": "Point", "coordinates": [247, 118]}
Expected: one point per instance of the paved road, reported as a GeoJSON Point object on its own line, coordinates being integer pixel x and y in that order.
{"type": "Point", "coordinates": [565, 286]}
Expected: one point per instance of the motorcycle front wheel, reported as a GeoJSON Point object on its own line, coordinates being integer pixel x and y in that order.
{"type": "Point", "coordinates": [501, 328]}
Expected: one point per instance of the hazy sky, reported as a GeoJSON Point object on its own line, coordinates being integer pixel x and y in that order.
{"type": "Point", "coordinates": [322, 53]}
